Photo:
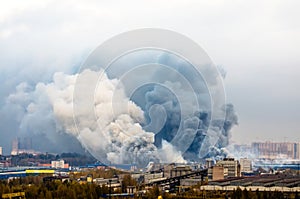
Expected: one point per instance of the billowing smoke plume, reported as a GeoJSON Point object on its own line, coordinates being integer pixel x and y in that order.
{"type": "Point", "coordinates": [118, 135]}
{"type": "Point", "coordinates": [183, 115]}
{"type": "Point", "coordinates": [137, 129]}
{"type": "Point", "coordinates": [40, 111]}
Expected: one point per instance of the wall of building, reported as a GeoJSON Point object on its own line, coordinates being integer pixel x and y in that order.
{"type": "Point", "coordinates": [218, 173]}
{"type": "Point", "coordinates": [232, 166]}
{"type": "Point", "coordinates": [60, 164]}
{"type": "Point", "coordinates": [246, 165]}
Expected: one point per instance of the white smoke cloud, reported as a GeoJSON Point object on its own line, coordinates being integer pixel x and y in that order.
{"type": "Point", "coordinates": [122, 138]}
{"type": "Point", "coordinates": [117, 135]}
{"type": "Point", "coordinates": [168, 153]}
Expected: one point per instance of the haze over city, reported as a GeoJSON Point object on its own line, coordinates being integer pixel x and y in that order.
{"type": "Point", "coordinates": [149, 99]}
{"type": "Point", "coordinates": [256, 44]}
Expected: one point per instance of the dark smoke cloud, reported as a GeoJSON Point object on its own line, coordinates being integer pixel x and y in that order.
{"type": "Point", "coordinates": [171, 101]}
{"type": "Point", "coordinates": [197, 119]}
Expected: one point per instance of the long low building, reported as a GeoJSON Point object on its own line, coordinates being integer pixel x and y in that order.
{"type": "Point", "coordinates": [248, 188]}
{"type": "Point", "coordinates": [42, 171]}
{"type": "Point", "coordinates": [24, 173]}
{"type": "Point", "coordinates": [260, 181]}
{"type": "Point", "coordinates": [12, 174]}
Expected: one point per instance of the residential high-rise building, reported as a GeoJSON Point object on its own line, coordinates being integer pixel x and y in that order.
{"type": "Point", "coordinates": [273, 150]}
{"type": "Point", "coordinates": [21, 145]}
{"type": "Point", "coordinates": [15, 146]}
{"type": "Point", "coordinates": [297, 151]}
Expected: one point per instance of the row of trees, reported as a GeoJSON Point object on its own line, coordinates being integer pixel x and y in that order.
{"type": "Point", "coordinates": [65, 190]}
{"type": "Point", "coordinates": [245, 194]}
{"type": "Point", "coordinates": [238, 194]}
{"type": "Point", "coordinates": [35, 188]}
{"type": "Point", "coordinates": [57, 189]}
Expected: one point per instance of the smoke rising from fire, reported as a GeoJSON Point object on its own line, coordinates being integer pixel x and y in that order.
{"type": "Point", "coordinates": [127, 130]}
{"type": "Point", "coordinates": [134, 102]}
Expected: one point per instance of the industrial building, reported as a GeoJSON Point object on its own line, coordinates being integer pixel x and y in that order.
{"type": "Point", "coordinates": [172, 170]}
{"type": "Point", "coordinates": [219, 172]}
{"type": "Point", "coordinates": [209, 163]}
{"type": "Point", "coordinates": [281, 180]}
{"type": "Point", "coordinates": [232, 165]}
{"type": "Point", "coordinates": [227, 168]}
{"type": "Point", "coordinates": [246, 165]}
{"type": "Point", "coordinates": [23, 172]}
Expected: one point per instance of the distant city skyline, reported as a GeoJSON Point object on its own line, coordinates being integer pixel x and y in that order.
{"type": "Point", "coordinates": [257, 43]}
{"type": "Point", "coordinates": [256, 149]}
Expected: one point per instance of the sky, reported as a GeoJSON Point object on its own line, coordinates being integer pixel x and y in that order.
{"type": "Point", "coordinates": [256, 42]}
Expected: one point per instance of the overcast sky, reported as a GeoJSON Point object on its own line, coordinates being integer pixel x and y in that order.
{"type": "Point", "coordinates": [258, 43]}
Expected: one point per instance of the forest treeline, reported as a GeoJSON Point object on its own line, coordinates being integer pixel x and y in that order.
{"type": "Point", "coordinates": [35, 188]}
